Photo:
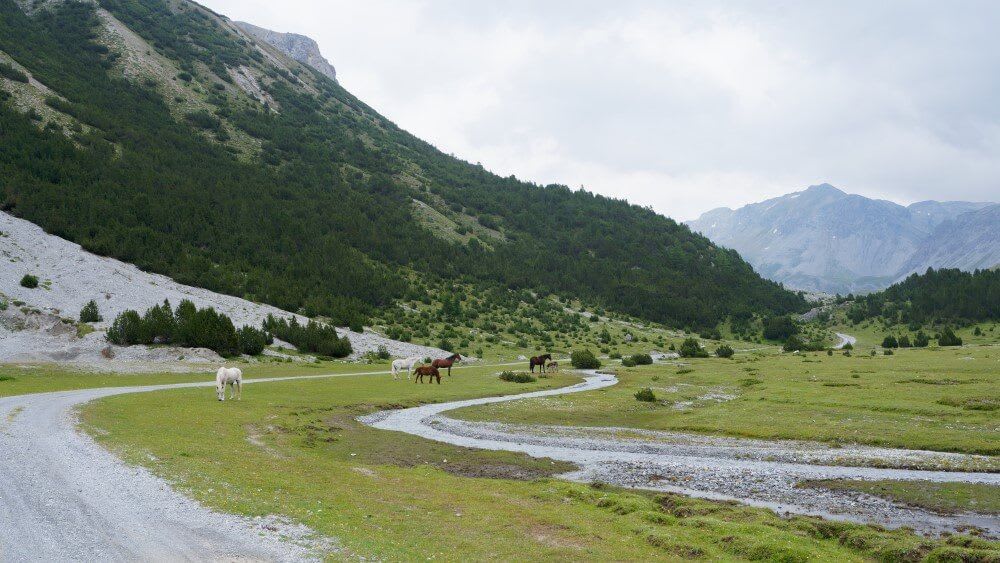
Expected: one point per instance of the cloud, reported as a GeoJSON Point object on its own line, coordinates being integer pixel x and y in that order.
{"type": "Point", "coordinates": [684, 106]}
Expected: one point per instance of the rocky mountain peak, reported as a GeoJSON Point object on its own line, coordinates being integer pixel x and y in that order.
{"type": "Point", "coordinates": [824, 239]}
{"type": "Point", "coordinates": [298, 47]}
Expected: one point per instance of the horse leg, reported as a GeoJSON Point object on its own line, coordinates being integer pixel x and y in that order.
{"type": "Point", "coordinates": [239, 388]}
{"type": "Point", "coordinates": [439, 377]}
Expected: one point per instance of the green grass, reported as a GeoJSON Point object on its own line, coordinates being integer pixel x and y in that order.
{"type": "Point", "coordinates": [883, 401]}
{"type": "Point", "coordinates": [19, 380]}
{"type": "Point", "coordinates": [946, 498]}
{"type": "Point", "coordinates": [294, 448]}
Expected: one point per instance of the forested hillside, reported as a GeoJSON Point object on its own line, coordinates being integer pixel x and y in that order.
{"type": "Point", "coordinates": [158, 133]}
{"type": "Point", "coordinates": [936, 295]}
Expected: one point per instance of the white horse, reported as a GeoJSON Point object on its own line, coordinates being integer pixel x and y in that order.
{"type": "Point", "coordinates": [233, 377]}
{"type": "Point", "coordinates": [408, 363]}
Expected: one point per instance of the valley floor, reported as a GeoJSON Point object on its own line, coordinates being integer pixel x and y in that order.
{"type": "Point", "coordinates": [292, 459]}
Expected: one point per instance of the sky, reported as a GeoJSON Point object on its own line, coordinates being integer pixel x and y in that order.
{"type": "Point", "coordinates": [683, 106]}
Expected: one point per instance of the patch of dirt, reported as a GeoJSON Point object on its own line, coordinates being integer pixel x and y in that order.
{"type": "Point", "coordinates": [255, 436]}
{"type": "Point", "coordinates": [554, 535]}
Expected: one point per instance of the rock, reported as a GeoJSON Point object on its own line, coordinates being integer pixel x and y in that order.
{"type": "Point", "coordinates": [298, 47]}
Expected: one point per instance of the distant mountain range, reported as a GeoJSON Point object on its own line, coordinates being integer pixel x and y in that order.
{"type": "Point", "coordinates": [823, 239]}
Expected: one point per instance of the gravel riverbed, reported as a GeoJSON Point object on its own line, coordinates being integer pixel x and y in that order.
{"type": "Point", "coordinates": [755, 472]}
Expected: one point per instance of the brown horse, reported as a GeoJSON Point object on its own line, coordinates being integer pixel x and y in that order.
{"type": "Point", "coordinates": [446, 362]}
{"type": "Point", "coordinates": [539, 361]}
{"type": "Point", "coordinates": [430, 371]}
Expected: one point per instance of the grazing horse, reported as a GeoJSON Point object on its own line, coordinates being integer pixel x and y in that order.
{"type": "Point", "coordinates": [233, 377]}
{"type": "Point", "coordinates": [446, 362]}
{"type": "Point", "coordinates": [408, 363]}
{"type": "Point", "coordinates": [553, 366]}
{"type": "Point", "coordinates": [539, 361]}
{"type": "Point", "coordinates": [430, 371]}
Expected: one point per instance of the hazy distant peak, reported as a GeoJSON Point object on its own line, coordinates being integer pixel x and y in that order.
{"type": "Point", "coordinates": [822, 238]}
{"type": "Point", "coordinates": [824, 188]}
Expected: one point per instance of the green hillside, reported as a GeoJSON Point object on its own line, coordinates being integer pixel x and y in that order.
{"type": "Point", "coordinates": [935, 295]}
{"type": "Point", "coordinates": [155, 132]}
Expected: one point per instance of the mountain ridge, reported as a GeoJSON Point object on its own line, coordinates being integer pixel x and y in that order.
{"type": "Point", "coordinates": [179, 143]}
{"type": "Point", "coordinates": [825, 239]}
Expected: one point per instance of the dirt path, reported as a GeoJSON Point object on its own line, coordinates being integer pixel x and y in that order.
{"type": "Point", "coordinates": [761, 473]}
{"type": "Point", "coordinates": [845, 339]}
{"type": "Point", "coordinates": [64, 497]}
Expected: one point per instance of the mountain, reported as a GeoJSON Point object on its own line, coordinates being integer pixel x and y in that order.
{"type": "Point", "coordinates": [968, 241]}
{"type": "Point", "coordinates": [823, 239]}
{"type": "Point", "coordinates": [298, 47]}
{"type": "Point", "coordinates": [162, 134]}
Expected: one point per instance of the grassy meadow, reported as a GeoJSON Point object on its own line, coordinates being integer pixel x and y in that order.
{"type": "Point", "coordinates": [294, 448]}
{"type": "Point", "coordinates": [40, 378]}
{"type": "Point", "coordinates": [944, 399]}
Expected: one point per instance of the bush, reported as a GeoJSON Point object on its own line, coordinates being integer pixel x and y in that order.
{"type": "Point", "coordinates": [12, 73]}
{"type": "Point", "coordinates": [948, 338]}
{"type": "Point", "coordinates": [126, 329]}
{"type": "Point", "coordinates": [780, 328]}
{"type": "Point", "coordinates": [691, 349]}
{"type": "Point", "coordinates": [829, 352]}
{"type": "Point", "coordinates": [517, 377]}
{"type": "Point", "coordinates": [29, 281]}
{"type": "Point", "coordinates": [90, 314]}
{"type": "Point", "coordinates": [312, 337]}
{"type": "Point", "coordinates": [724, 351]}
{"type": "Point", "coordinates": [921, 340]}
{"type": "Point", "coordinates": [584, 359]}
{"type": "Point", "coordinates": [847, 346]}
{"type": "Point", "coordinates": [890, 342]}
{"type": "Point", "coordinates": [251, 340]}
{"type": "Point", "coordinates": [711, 334]}
{"type": "Point", "coordinates": [904, 341]}
{"type": "Point", "coordinates": [628, 362]}
{"type": "Point", "coordinates": [888, 352]}
{"type": "Point", "coordinates": [642, 359]}
{"type": "Point", "coordinates": [793, 344]}
{"type": "Point", "coordinates": [645, 395]}
{"type": "Point", "coordinates": [188, 327]}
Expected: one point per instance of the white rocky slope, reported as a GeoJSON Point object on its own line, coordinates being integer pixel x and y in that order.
{"type": "Point", "coordinates": [31, 328]}
{"type": "Point", "coordinates": [299, 47]}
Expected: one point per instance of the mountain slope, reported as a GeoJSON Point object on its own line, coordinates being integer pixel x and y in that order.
{"type": "Point", "coordinates": [969, 241]}
{"type": "Point", "coordinates": [826, 240]}
{"type": "Point", "coordinates": [162, 134]}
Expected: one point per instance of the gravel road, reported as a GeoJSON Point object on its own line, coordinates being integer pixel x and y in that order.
{"type": "Point", "coordinates": [845, 339]}
{"type": "Point", "coordinates": [756, 472]}
{"type": "Point", "coordinates": [63, 497]}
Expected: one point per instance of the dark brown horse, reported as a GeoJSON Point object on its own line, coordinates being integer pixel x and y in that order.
{"type": "Point", "coordinates": [430, 371]}
{"type": "Point", "coordinates": [539, 361]}
{"type": "Point", "coordinates": [446, 362]}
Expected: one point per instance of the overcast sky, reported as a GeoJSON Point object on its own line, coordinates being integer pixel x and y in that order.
{"type": "Point", "coordinates": [684, 106]}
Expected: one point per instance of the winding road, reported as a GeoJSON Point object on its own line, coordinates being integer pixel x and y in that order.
{"type": "Point", "coordinates": [756, 472]}
{"type": "Point", "coordinates": [64, 497]}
